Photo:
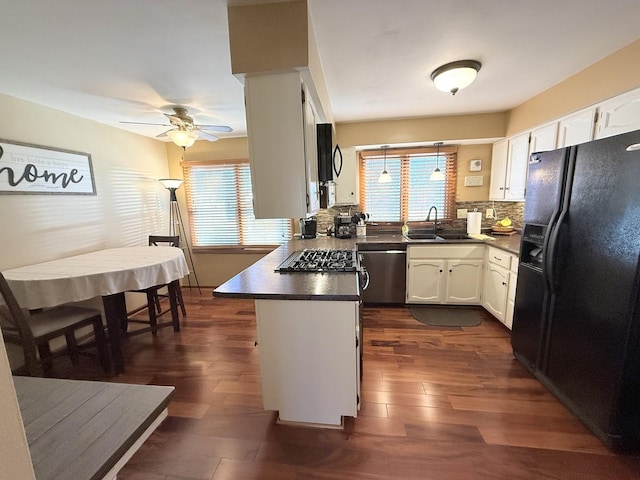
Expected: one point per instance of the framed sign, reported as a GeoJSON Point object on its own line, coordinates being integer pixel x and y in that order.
{"type": "Point", "coordinates": [26, 168]}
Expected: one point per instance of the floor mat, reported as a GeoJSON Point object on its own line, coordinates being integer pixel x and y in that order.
{"type": "Point", "coordinates": [448, 316]}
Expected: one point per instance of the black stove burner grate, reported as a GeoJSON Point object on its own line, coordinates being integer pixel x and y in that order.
{"type": "Point", "coordinates": [320, 260]}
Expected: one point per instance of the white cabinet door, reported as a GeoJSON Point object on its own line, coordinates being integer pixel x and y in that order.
{"type": "Point", "coordinates": [426, 281]}
{"type": "Point", "coordinates": [509, 162]}
{"type": "Point", "coordinates": [464, 281]}
{"type": "Point", "coordinates": [511, 299]}
{"type": "Point", "coordinates": [498, 170]}
{"type": "Point", "coordinates": [311, 155]}
{"type": "Point", "coordinates": [494, 294]}
{"type": "Point", "coordinates": [277, 146]}
{"type": "Point", "coordinates": [517, 164]}
{"type": "Point", "coordinates": [544, 138]}
{"type": "Point", "coordinates": [347, 183]}
{"type": "Point", "coordinates": [619, 115]}
{"type": "Point", "coordinates": [577, 127]}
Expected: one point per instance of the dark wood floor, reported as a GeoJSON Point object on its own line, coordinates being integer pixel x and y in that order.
{"type": "Point", "coordinates": [437, 403]}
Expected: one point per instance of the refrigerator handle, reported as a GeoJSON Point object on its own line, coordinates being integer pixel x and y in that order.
{"type": "Point", "coordinates": [551, 252]}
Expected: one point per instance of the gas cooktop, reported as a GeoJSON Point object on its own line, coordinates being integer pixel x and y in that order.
{"type": "Point", "coordinates": [320, 260]}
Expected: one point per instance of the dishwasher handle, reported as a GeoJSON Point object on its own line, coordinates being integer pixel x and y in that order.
{"type": "Point", "coordinates": [367, 278]}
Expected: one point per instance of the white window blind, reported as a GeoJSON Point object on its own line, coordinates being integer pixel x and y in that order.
{"type": "Point", "coordinates": [410, 193]}
{"type": "Point", "coordinates": [220, 207]}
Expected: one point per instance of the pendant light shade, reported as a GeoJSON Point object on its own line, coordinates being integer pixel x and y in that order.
{"type": "Point", "coordinates": [437, 175]}
{"type": "Point", "coordinates": [384, 176]}
{"type": "Point", "coordinates": [455, 76]}
{"type": "Point", "coordinates": [182, 138]}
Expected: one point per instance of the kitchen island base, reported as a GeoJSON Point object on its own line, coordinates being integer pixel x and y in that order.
{"type": "Point", "coordinates": [309, 360]}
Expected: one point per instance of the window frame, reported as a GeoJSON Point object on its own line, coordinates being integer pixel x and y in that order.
{"type": "Point", "coordinates": [229, 248]}
{"type": "Point", "coordinates": [449, 169]}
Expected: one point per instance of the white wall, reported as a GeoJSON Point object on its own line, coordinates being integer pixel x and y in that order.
{"type": "Point", "coordinates": [130, 204]}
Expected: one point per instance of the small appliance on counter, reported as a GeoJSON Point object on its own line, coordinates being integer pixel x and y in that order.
{"type": "Point", "coordinates": [308, 227]}
{"type": "Point", "coordinates": [342, 224]}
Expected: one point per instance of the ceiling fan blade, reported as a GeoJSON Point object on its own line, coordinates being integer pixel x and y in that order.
{"type": "Point", "coordinates": [215, 128]}
{"type": "Point", "coordinates": [177, 121]}
{"type": "Point", "coordinates": [145, 123]}
{"type": "Point", "coordinates": [164, 134]}
{"type": "Point", "coordinates": [207, 135]}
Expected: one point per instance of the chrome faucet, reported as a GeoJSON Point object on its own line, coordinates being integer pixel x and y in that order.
{"type": "Point", "coordinates": [435, 222]}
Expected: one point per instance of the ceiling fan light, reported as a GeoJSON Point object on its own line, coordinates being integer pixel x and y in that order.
{"type": "Point", "coordinates": [455, 76]}
{"type": "Point", "coordinates": [182, 138]}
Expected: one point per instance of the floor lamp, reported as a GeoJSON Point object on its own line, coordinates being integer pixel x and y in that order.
{"type": "Point", "coordinates": [175, 221]}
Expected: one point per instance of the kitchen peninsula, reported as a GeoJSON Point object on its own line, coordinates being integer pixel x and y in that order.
{"type": "Point", "coordinates": [309, 329]}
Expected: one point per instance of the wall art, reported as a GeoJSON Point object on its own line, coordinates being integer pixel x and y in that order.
{"type": "Point", "coordinates": [27, 168]}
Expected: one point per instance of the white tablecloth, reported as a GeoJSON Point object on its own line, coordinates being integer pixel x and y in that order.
{"type": "Point", "coordinates": [95, 274]}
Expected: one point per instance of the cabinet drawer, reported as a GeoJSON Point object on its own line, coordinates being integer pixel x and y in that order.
{"type": "Point", "coordinates": [445, 251]}
{"type": "Point", "coordinates": [499, 257]}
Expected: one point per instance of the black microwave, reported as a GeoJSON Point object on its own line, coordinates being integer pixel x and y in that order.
{"type": "Point", "coordinates": [329, 158]}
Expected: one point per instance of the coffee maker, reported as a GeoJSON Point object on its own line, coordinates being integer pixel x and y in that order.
{"type": "Point", "coordinates": [308, 227]}
{"type": "Point", "coordinates": [342, 224]}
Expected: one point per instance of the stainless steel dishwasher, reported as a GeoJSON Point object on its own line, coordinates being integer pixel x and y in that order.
{"type": "Point", "coordinates": [387, 273]}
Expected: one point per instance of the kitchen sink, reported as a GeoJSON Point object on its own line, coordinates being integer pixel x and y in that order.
{"type": "Point", "coordinates": [441, 236]}
{"type": "Point", "coordinates": [421, 236]}
{"type": "Point", "coordinates": [453, 236]}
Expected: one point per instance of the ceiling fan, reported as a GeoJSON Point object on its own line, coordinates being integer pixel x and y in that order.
{"type": "Point", "coordinates": [185, 131]}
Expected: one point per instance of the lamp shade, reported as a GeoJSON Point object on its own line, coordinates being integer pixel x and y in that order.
{"type": "Point", "coordinates": [455, 76]}
{"type": "Point", "coordinates": [182, 138]}
{"type": "Point", "coordinates": [171, 183]}
{"type": "Point", "coordinates": [436, 175]}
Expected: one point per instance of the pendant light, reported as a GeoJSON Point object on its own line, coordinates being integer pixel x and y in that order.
{"type": "Point", "coordinates": [384, 176]}
{"type": "Point", "coordinates": [437, 175]}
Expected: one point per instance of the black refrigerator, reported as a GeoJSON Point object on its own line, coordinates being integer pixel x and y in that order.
{"type": "Point", "coordinates": [577, 311]}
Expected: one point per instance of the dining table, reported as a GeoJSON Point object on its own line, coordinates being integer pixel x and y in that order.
{"type": "Point", "coordinates": [107, 273]}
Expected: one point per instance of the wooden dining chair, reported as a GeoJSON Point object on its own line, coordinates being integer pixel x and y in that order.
{"type": "Point", "coordinates": [154, 307]}
{"type": "Point", "coordinates": [34, 331]}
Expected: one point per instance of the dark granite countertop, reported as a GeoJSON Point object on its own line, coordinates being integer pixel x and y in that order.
{"type": "Point", "coordinates": [261, 280]}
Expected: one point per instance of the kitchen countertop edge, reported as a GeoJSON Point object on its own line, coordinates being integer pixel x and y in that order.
{"type": "Point", "coordinates": [262, 281]}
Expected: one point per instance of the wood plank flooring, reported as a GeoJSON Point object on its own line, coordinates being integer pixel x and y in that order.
{"type": "Point", "coordinates": [437, 403]}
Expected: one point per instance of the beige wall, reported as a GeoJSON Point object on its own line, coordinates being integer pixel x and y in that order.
{"type": "Point", "coordinates": [466, 153]}
{"type": "Point", "coordinates": [129, 205]}
{"type": "Point", "coordinates": [268, 37]}
{"type": "Point", "coordinates": [423, 130]}
{"type": "Point", "coordinates": [615, 74]}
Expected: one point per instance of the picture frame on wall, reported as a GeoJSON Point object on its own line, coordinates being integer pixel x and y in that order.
{"type": "Point", "coordinates": [35, 169]}
{"type": "Point", "coordinates": [475, 165]}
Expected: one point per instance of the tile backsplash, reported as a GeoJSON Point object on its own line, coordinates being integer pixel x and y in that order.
{"type": "Point", "coordinates": [513, 210]}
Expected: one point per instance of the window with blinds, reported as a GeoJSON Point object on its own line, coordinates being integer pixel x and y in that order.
{"type": "Point", "coordinates": [219, 202]}
{"type": "Point", "coordinates": [410, 193]}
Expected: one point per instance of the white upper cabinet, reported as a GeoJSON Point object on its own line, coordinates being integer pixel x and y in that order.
{"type": "Point", "coordinates": [509, 163]}
{"type": "Point", "coordinates": [498, 170]}
{"type": "Point", "coordinates": [619, 115]}
{"type": "Point", "coordinates": [544, 138]}
{"type": "Point", "coordinates": [577, 127]}
{"type": "Point", "coordinates": [347, 183]}
{"type": "Point", "coordinates": [282, 146]}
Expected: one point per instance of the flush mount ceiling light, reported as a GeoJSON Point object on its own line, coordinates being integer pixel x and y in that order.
{"type": "Point", "coordinates": [455, 76]}
{"type": "Point", "coordinates": [384, 176]}
{"type": "Point", "coordinates": [437, 175]}
{"type": "Point", "coordinates": [182, 137]}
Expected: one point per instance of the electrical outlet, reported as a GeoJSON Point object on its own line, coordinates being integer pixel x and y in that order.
{"type": "Point", "coordinates": [461, 213]}
{"type": "Point", "coordinates": [490, 213]}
